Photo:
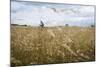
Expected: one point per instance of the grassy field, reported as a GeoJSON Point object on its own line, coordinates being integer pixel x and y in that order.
{"type": "Point", "coordinates": [50, 45]}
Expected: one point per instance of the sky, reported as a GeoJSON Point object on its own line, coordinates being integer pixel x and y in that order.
{"type": "Point", "coordinates": [52, 14]}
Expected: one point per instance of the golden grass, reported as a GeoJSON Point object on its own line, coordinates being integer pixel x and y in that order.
{"type": "Point", "coordinates": [50, 45]}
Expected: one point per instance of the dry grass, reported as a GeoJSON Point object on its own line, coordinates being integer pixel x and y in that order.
{"type": "Point", "coordinates": [35, 45]}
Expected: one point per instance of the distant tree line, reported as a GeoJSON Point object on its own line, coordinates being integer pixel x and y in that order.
{"type": "Point", "coordinates": [66, 24]}
{"type": "Point", "coordinates": [92, 25]}
{"type": "Point", "coordinates": [17, 25]}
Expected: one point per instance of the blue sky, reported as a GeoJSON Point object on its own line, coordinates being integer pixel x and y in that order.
{"type": "Point", "coordinates": [30, 13]}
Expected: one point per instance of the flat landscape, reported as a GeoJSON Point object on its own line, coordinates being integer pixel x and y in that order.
{"type": "Point", "coordinates": [50, 45]}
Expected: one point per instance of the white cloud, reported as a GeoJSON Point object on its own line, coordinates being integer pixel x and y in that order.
{"type": "Point", "coordinates": [51, 14]}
